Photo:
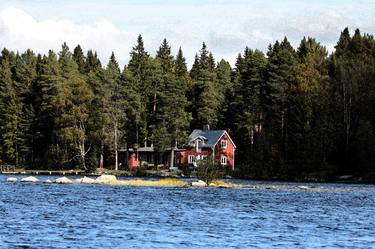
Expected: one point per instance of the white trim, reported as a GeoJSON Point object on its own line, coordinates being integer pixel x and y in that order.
{"type": "Point", "coordinates": [224, 160]}
{"type": "Point", "coordinates": [200, 136]}
{"type": "Point", "coordinates": [223, 143]}
{"type": "Point", "coordinates": [225, 132]}
{"type": "Point", "coordinates": [233, 160]}
{"type": "Point", "coordinates": [191, 159]}
{"type": "Point", "coordinates": [198, 145]}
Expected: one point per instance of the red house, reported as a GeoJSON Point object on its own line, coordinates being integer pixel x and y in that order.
{"type": "Point", "coordinates": [206, 142]}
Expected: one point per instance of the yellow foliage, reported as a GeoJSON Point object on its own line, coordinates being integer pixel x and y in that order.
{"type": "Point", "coordinates": [168, 182]}
{"type": "Point", "coordinates": [222, 184]}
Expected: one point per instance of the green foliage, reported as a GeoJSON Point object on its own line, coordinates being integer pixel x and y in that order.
{"type": "Point", "coordinates": [206, 93]}
{"type": "Point", "coordinates": [208, 170]}
{"type": "Point", "coordinates": [290, 112]}
{"type": "Point", "coordinates": [10, 111]}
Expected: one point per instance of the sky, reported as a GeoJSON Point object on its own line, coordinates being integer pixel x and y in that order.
{"type": "Point", "coordinates": [226, 26]}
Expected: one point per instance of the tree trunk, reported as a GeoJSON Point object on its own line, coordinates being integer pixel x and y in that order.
{"type": "Point", "coordinates": [82, 153]}
{"type": "Point", "coordinates": [116, 149]}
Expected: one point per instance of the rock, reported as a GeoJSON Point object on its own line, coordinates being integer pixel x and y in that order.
{"type": "Point", "coordinates": [309, 187]}
{"type": "Point", "coordinates": [11, 179]}
{"type": "Point", "coordinates": [63, 180]}
{"type": "Point", "coordinates": [108, 179]}
{"type": "Point", "coordinates": [199, 183]}
{"type": "Point", "coordinates": [345, 177]}
{"type": "Point", "coordinates": [47, 181]}
{"type": "Point", "coordinates": [29, 179]}
{"type": "Point", "coordinates": [85, 180]}
{"type": "Point", "coordinates": [78, 181]}
{"type": "Point", "coordinates": [304, 187]}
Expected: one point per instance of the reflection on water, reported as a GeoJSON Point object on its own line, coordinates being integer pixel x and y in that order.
{"type": "Point", "coordinates": [93, 216]}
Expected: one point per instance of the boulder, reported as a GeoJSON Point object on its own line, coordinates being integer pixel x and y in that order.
{"type": "Point", "coordinates": [11, 179]}
{"type": "Point", "coordinates": [78, 181]}
{"type": "Point", "coordinates": [85, 180]}
{"type": "Point", "coordinates": [106, 179]}
{"type": "Point", "coordinates": [199, 183]}
{"type": "Point", "coordinates": [29, 179]}
{"type": "Point", "coordinates": [63, 180]}
{"type": "Point", "coordinates": [304, 187]}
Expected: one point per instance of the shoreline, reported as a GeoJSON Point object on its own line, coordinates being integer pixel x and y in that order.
{"type": "Point", "coordinates": [172, 182]}
{"type": "Point", "coordinates": [350, 179]}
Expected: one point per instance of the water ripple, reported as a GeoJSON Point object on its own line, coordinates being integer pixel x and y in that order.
{"type": "Point", "coordinates": [80, 216]}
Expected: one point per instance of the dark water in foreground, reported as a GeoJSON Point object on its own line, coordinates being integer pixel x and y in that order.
{"type": "Point", "coordinates": [91, 216]}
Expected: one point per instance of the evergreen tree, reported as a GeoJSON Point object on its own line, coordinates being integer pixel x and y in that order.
{"type": "Point", "coordinates": [115, 106]}
{"type": "Point", "coordinates": [315, 140]}
{"type": "Point", "coordinates": [24, 75]}
{"type": "Point", "coordinates": [206, 100]}
{"type": "Point", "coordinates": [46, 89]}
{"type": "Point", "coordinates": [171, 118]}
{"type": "Point", "coordinates": [281, 103]}
{"type": "Point", "coordinates": [10, 111]}
{"type": "Point", "coordinates": [73, 104]}
{"type": "Point", "coordinates": [141, 74]}
{"type": "Point", "coordinates": [79, 58]}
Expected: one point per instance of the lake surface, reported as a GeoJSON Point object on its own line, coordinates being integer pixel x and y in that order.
{"type": "Point", "coordinates": [95, 216]}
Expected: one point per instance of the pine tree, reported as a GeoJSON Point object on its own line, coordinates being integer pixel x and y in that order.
{"type": "Point", "coordinates": [281, 110]}
{"type": "Point", "coordinates": [115, 106]}
{"type": "Point", "coordinates": [171, 117]}
{"type": "Point", "coordinates": [206, 100]}
{"type": "Point", "coordinates": [98, 118]}
{"type": "Point", "coordinates": [24, 76]}
{"type": "Point", "coordinates": [142, 78]}
{"type": "Point", "coordinates": [79, 58]}
{"type": "Point", "coordinates": [72, 103]}
{"type": "Point", "coordinates": [315, 140]}
{"type": "Point", "coordinates": [46, 90]}
{"type": "Point", "coordinates": [92, 62]}
{"type": "Point", "coordinates": [10, 111]}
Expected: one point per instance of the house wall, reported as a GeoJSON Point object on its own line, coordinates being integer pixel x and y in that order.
{"type": "Point", "coordinates": [228, 152]}
{"type": "Point", "coordinates": [183, 155]}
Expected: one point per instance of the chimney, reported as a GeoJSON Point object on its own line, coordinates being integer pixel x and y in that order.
{"type": "Point", "coordinates": [206, 127]}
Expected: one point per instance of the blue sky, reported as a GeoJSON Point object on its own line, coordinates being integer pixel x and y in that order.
{"type": "Point", "coordinates": [226, 26]}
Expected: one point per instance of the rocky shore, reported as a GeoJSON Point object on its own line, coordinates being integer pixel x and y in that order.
{"type": "Point", "coordinates": [168, 182]}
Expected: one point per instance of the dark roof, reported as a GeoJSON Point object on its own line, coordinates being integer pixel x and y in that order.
{"type": "Point", "coordinates": [210, 137]}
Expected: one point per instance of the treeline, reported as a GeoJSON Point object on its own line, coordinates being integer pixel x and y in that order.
{"type": "Point", "coordinates": [290, 111]}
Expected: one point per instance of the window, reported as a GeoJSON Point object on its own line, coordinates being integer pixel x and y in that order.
{"type": "Point", "coordinates": [223, 144]}
{"type": "Point", "coordinates": [191, 159]}
{"type": "Point", "coordinates": [223, 160]}
{"type": "Point", "coordinates": [198, 145]}
{"type": "Point", "coordinates": [204, 157]}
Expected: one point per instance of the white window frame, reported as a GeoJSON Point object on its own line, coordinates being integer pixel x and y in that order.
{"type": "Point", "coordinates": [223, 144]}
{"type": "Point", "coordinates": [197, 147]}
{"type": "Point", "coordinates": [204, 157]}
{"type": "Point", "coordinates": [224, 160]}
{"type": "Point", "coordinates": [191, 159]}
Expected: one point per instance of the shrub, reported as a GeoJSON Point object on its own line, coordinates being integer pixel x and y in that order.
{"type": "Point", "coordinates": [209, 170]}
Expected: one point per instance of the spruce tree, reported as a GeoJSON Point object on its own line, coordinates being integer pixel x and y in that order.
{"type": "Point", "coordinates": [73, 104]}
{"type": "Point", "coordinates": [79, 58]}
{"type": "Point", "coordinates": [10, 111]}
{"type": "Point", "coordinates": [281, 106]}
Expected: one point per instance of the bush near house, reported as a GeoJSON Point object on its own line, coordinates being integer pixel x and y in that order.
{"type": "Point", "coordinates": [209, 170]}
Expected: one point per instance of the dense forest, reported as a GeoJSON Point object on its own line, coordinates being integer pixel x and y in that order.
{"type": "Point", "coordinates": [290, 111]}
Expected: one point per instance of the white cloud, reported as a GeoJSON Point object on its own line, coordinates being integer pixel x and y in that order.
{"type": "Point", "coordinates": [226, 28]}
{"type": "Point", "coordinates": [20, 31]}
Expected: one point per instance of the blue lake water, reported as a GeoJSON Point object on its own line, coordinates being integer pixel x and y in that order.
{"type": "Point", "coordinates": [37, 215]}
